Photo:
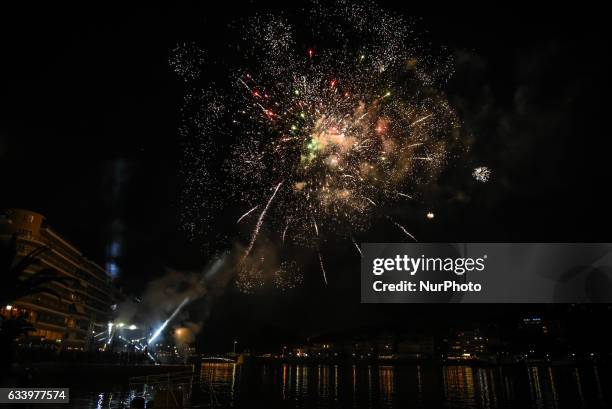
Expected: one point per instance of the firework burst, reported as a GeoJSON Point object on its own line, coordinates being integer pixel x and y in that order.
{"type": "Point", "coordinates": [324, 136]}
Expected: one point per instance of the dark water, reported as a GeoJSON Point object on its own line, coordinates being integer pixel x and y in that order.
{"type": "Point", "coordinates": [381, 386]}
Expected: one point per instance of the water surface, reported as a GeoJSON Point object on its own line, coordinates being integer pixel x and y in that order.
{"type": "Point", "coordinates": [383, 386]}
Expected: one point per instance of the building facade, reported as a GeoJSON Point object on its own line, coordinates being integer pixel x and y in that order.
{"type": "Point", "coordinates": [82, 309]}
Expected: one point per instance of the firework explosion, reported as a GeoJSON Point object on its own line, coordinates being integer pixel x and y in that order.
{"type": "Point", "coordinates": [482, 174]}
{"type": "Point", "coordinates": [324, 136]}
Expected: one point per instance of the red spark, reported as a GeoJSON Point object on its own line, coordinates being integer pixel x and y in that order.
{"type": "Point", "coordinates": [382, 125]}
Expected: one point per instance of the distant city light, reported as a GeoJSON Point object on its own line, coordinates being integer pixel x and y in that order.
{"type": "Point", "coordinates": [9, 307]}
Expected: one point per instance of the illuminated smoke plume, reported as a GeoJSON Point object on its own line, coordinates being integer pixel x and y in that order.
{"type": "Point", "coordinates": [165, 300]}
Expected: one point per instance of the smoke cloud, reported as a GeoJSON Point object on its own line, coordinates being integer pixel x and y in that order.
{"type": "Point", "coordinates": [163, 296]}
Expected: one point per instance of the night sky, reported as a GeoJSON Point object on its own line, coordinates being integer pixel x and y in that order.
{"type": "Point", "coordinates": [89, 111]}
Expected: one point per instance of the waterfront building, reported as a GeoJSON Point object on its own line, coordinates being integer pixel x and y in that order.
{"type": "Point", "coordinates": [468, 345]}
{"type": "Point", "coordinates": [82, 310]}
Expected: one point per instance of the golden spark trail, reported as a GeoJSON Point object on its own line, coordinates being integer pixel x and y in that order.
{"type": "Point", "coordinates": [420, 120]}
{"type": "Point", "coordinates": [402, 228]}
{"type": "Point", "coordinates": [246, 214]}
{"type": "Point", "coordinates": [285, 231]}
{"type": "Point", "coordinates": [260, 222]}
{"type": "Point", "coordinates": [244, 83]}
{"type": "Point", "coordinates": [357, 246]}
{"type": "Point", "coordinates": [322, 266]}
{"type": "Point", "coordinates": [370, 200]}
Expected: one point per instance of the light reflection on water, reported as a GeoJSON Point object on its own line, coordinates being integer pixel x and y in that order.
{"type": "Point", "coordinates": [422, 386]}
{"type": "Point", "coordinates": [388, 386]}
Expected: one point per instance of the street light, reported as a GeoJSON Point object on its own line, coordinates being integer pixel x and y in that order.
{"type": "Point", "coordinates": [235, 342]}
